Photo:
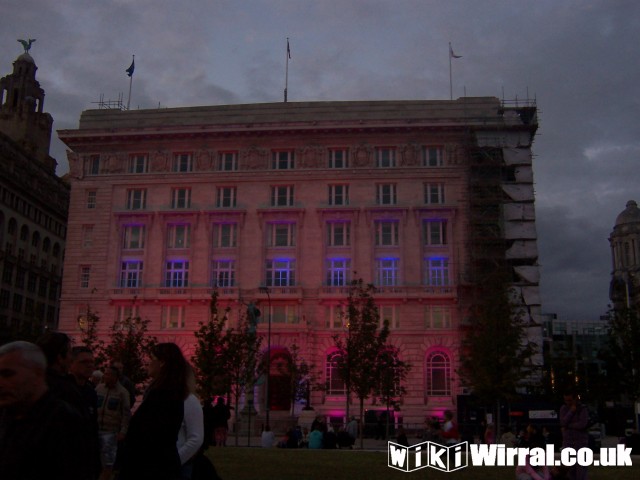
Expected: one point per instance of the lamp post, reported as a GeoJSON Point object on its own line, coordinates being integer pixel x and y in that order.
{"type": "Point", "coordinates": [267, 403]}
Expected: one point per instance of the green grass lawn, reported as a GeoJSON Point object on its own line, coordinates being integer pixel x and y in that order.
{"type": "Point", "coordinates": [241, 463]}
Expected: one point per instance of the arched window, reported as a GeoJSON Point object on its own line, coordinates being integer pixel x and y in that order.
{"type": "Point", "coordinates": [56, 250]}
{"type": "Point", "coordinates": [46, 245]}
{"type": "Point", "coordinates": [12, 227]}
{"type": "Point", "coordinates": [35, 240]}
{"type": "Point", "coordinates": [438, 370]}
{"type": "Point", "coordinates": [24, 233]}
{"type": "Point", "coordinates": [335, 383]}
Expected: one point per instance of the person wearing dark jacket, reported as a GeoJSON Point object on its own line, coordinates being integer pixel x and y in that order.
{"type": "Point", "coordinates": [41, 436]}
{"type": "Point", "coordinates": [149, 450]}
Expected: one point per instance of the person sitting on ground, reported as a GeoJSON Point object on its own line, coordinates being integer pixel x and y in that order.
{"type": "Point", "coordinates": [268, 437]}
{"type": "Point", "coordinates": [401, 437]}
{"type": "Point", "coordinates": [315, 438]}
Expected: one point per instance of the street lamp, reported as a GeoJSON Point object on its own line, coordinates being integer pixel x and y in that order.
{"type": "Point", "coordinates": [267, 403]}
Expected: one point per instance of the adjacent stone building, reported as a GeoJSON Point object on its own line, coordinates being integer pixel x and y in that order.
{"type": "Point", "coordinates": [33, 208]}
{"type": "Point", "coordinates": [417, 197]}
{"type": "Point", "coordinates": [625, 256]}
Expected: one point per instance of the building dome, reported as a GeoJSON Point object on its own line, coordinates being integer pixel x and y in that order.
{"type": "Point", "coordinates": [25, 57]}
{"type": "Point", "coordinates": [631, 214]}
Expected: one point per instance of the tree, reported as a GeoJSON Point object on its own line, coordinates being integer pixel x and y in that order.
{"type": "Point", "coordinates": [241, 350]}
{"type": "Point", "coordinates": [131, 345]}
{"type": "Point", "coordinates": [360, 350]}
{"type": "Point", "coordinates": [496, 355]}
{"type": "Point", "coordinates": [212, 377]}
{"type": "Point", "coordinates": [302, 375]}
{"type": "Point", "coordinates": [89, 336]}
{"type": "Point", "coordinates": [624, 350]}
{"type": "Point", "coordinates": [391, 373]}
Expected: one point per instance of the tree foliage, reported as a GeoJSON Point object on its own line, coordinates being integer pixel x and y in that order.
{"type": "Point", "coordinates": [496, 354]}
{"type": "Point", "coordinates": [302, 374]}
{"type": "Point", "coordinates": [209, 360]}
{"type": "Point", "coordinates": [130, 344]}
{"type": "Point", "coordinates": [360, 350]}
{"type": "Point", "coordinates": [90, 339]}
{"type": "Point", "coordinates": [624, 351]}
{"type": "Point", "coordinates": [391, 374]}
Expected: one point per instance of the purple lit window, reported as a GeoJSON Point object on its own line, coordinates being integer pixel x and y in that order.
{"type": "Point", "coordinates": [131, 274]}
{"type": "Point", "coordinates": [338, 272]}
{"type": "Point", "coordinates": [281, 273]}
{"type": "Point", "coordinates": [437, 271]}
{"type": "Point", "coordinates": [177, 274]}
{"type": "Point", "coordinates": [387, 272]}
{"type": "Point", "coordinates": [223, 273]}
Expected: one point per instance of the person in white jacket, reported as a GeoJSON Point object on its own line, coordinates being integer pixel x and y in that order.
{"type": "Point", "coordinates": [191, 434]}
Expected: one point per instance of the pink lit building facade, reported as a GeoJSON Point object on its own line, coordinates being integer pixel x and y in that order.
{"type": "Point", "coordinates": [301, 198]}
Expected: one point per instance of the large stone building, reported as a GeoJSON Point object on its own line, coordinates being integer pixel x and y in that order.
{"type": "Point", "coordinates": [417, 197]}
{"type": "Point", "coordinates": [33, 207]}
{"type": "Point", "coordinates": [625, 256]}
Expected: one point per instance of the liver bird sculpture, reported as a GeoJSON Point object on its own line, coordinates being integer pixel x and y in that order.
{"type": "Point", "coordinates": [27, 44]}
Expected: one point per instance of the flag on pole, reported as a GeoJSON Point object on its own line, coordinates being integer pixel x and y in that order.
{"type": "Point", "coordinates": [453, 55]}
{"type": "Point", "coordinates": [288, 49]}
{"type": "Point", "coordinates": [131, 68]}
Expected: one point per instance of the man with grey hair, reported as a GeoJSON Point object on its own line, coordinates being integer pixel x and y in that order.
{"type": "Point", "coordinates": [40, 436]}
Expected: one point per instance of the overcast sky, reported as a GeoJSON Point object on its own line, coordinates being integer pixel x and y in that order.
{"type": "Point", "coordinates": [579, 59]}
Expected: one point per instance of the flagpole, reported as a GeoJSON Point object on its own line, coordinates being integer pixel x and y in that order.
{"type": "Point", "coordinates": [286, 75]}
{"type": "Point", "coordinates": [450, 76]}
{"type": "Point", "coordinates": [131, 83]}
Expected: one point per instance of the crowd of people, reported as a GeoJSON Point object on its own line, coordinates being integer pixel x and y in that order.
{"type": "Point", "coordinates": [62, 419]}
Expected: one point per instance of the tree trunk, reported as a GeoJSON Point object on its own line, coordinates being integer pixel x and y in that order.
{"type": "Point", "coordinates": [362, 423]}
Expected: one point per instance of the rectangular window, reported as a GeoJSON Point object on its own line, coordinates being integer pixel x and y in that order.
{"type": "Point", "coordinates": [178, 236]}
{"type": "Point", "coordinates": [437, 317]}
{"type": "Point", "coordinates": [437, 271]}
{"type": "Point", "coordinates": [32, 280]}
{"type": "Point", "coordinates": [7, 272]}
{"type": "Point", "coordinates": [21, 274]}
{"type": "Point", "coordinates": [385, 157]}
{"type": "Point", "coordinates": [226, 197]}
{"type": "Point", "coordinates": [386, 233]}
{"type": "Point", "coordinates": [182, 162]}
{"type": "Point", "coordinates": [338, 234]}
{"type": "Point", "coordinates": [281, 273]}
{"type": "Point", "coordinates": [126, 313]}
{"type": "Point", "coordinates": [44, 284]}
{"type": "Point", "coordinates": [389, 313]}
{"type": "Point", "coordinates": [432, 156]}
{"type": "Point", "coordinates": [131, 274]}
{"type": "Point", "coordinates": [282, 160]}
{"type": "Point", "coordinates": [5, 297]}
{"type": "Point", "coordinates": [282, 196]}
{"type": "Point", "coordinates": [387, 272]}
{"type": "Point", "coordinates": [281, 234]}
{"type": "Point", "coordinates": [386, 194]}
{"type": "Point", "coordinates": [17, 302]}
{"type": "Point", "coordinates": [173, 316]}
{"type": "Point", "coordinates": [228, 161]}
{"type": "Point", "coordinates": [435, 232]}
{"type": "Point", "coordinates": [87, 236]}
{"type": "Point", "coordinates": [181, 198]}
{"type": "Point", "coordinates": [138, 164]}
{"type": "Point", "coordinates": [91, 198]}
{"type": "Point", "coordinates": [224, 235]}
{"type": "Point", "coordinates": [338, 158]}
{"type": "Point", "coordinates": [136, 199]}
{"type": "Point", "coordinates": [176, 274]}
{"type": "Point", "coordinates": [338, 272]}
{"type": "Point", "coordinates": [336, 317]}
{"type": "Point", "coordinates": [93, 165]}
{"type": "Point", "coordinates": [338, 194]}
{"type": "Point", "coordinates": [283, 314]}
{"type": "Point", "coordinates": [223, 273]}
{"type": "Point", "coordinates": [133, 237]}
{"type": "Point", "coordinates": [433, 193]}
{"type": "Point", "coordinates": [85, 275]}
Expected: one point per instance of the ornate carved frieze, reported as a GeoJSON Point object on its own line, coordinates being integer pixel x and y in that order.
{"type": "Point", "coordinates": [204, 160]}
{"type": "Point", "coordinates": [254, 158]}
{"type": "Point", "coordinates": [409, 155]}
{"type": "Point", "coordinates": [310, 156]}
{"type": "Point", "coordinates": [362, 155]}
{"type": "Point", "coordinates": [160, 161]}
